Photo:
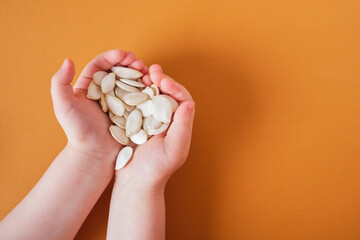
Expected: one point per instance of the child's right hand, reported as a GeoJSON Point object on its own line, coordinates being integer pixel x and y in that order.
{"type": "Point", "coordinates": [157, 159]}
{"type": "Point", "coordinates": [84, 123]}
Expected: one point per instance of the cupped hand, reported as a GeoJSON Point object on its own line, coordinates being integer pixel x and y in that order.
{"type": "Point", "coordinates": [156, 160]}
{"type": "Point", "coordinates": [84, 123]}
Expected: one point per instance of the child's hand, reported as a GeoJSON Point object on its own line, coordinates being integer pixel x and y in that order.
{"type": "Point", "coordinates": [155, 161]}
{"type": "Point", "coordinates": [84, 123]}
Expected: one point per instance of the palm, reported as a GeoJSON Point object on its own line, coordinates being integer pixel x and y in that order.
{"type": "Point", "coordinates": [150, 162]}
{"type": "Point", "coordinates": [87, 125]}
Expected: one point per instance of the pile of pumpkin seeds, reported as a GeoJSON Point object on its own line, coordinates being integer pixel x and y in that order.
{"type": "Point", "coordinates": [137, 111]}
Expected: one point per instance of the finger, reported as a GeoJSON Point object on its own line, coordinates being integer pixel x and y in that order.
{"type": "Point", "coordinates": [104, 61]}
{"type": "Point", "coordinates": [178, 138]}
{"type": "Point", "coordinates": [61, 90]}
{"type": "Point", "coordinates": [137, 65]}
{"type": "Point", "coordinates": [145, 70]}
{"type": "Point", "coordinates": [156, 73]}
{"type": "Point", "coordinates": [147, 80]}
{"type": "Point", "coordinates": [128, 59]}
{"type": "Point", "coordinates": [174, 89]}
{"type": "Point", "coordinates": [155, 68]}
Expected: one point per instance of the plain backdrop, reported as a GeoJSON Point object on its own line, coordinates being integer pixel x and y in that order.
{"type": "Point", "coordinates": [275, 151]}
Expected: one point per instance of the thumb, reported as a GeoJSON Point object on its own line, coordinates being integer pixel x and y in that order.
{"type": "Point", "coordinates": [61, 90]}
{"type": "Point", "coordinates": [178, 137]}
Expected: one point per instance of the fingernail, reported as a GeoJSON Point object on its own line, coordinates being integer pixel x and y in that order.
{"type": "Point", "coordinates": [64, 63]}
{"type": "Point", "coordinates": [191, 106]}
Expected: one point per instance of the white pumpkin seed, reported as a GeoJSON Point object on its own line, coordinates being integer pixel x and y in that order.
{"type": "Point", "coordinates": [112, 93]}
{"type": "Point", "coordinates": [119, 134]}
{"type": "Point", "coordinates": [139, 81]}
{"type": "Point", "coordinates": [128, 107]}
{"type": "Point", "coordinates": [126, 115]}
{"type": "Point", "coordinates": [108, 83]}
{"type": "Point", "coordinates": [103, 104]}
{"type": "Point", "coordinates": [152, 123]}
{"type": "Point", "coordinates": [161, 109]}
{"type": "Point", "coordinates": [111, 115]}
{"type": "Point", "coordinates": [94, 91]}
{"type": "Point", "coordinates": [155, 89]}
{"type": "Point", "coordinates": [140, 137]}
{"type": "Point", "coordinates": [133, 123]}
{"type": "Point", "coordinates": [119, 92]}
{"type": "Point", "coordinates": [149, 91]}
{"type": "Point", "coordinates": [159, 130]}
{"type": "Point", "coordinates": [174, 104]}
{"type": "Point", "coordinates": [98, 76]}
{"type": "Point", "coordinates": [145, 125]}
{"type": "Point", "coordinates": [132, 82]}
{"type": "Point", "coordinates": [126, 87]}
{"type": "Point", "coordinates": [128, 73]}
{"type": "Point", "coordinates": [135, 98]}
{"type": "Point", "coordinates": [119, 121]}
{"type": "Point", "coordinates": [123, 157]}
{"type": "Point", "coordinates": [115, 105]}
{"type": "Point", "coordinates": [145, 108]}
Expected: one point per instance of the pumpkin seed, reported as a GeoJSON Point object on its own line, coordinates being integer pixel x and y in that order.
{"type": "Point", "coordinates": [126, 87]}
{"type": "Point", "coordinates": [119, 134]}
{"type": "Point", "coordinates": [132, 82]}
{"type": "Point", "coordinates": [133, 123]}
{"type": "Point", "coordinates": [140, 137]}
{"type": "Point", "coordinates": [161, 109]}
{"type": "Point", "coordinates": [135, 98]}
{"type": "Point", "coordinates": [108, 83]}
{"type": "Point", "coordinates": [128, 73]}
{"type": "Point", "coordinates": [123, 157]}
{"type": "Point", "coordinates": [98, 76]}
{"type": "Point", "coordinates": [115, 105]}
{"type": "Point", "coordinates": [94, 91]}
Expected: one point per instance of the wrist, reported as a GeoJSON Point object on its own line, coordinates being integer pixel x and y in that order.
{"type": "Point", "coordinates": [98, 164]}
{"type": "Point", "coordinates": [131, 185]}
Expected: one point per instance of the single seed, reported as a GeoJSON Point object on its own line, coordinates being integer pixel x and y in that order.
{"type": "Point", "coordinates": [128, 107]}
{"type": "Point", "coordinates": [159, 130]}
{"type": "Point", "coordinates": [103, 104]}
{"type": "Point", "coordinates": [119, 92]}
{"type": "Point", "coordinates": [145, 108]}
{"type": "Point", "coordinates": [111, 115]}
{"type": "Point", "coordinates": [152, 123]}
{"type": "Point", "coordinates": [108, 83]}
{"type": "Point", "coordinates": [112, 93]}
{"type": "Point", "coordinates": [155, 89]}
{"type": "Point", "coordinates": [126, 87]}
{"type": "Point", "coordinates": [149, 91]}
{"type": "Point", "coordinates": [98, 76]}
{"type": "Point", "coordinates": [135, 98]}
{"type": "Point", "coordinates": [161, 109]}
{"type": "Point", "coordinates": [126, 115]}
{"type": "Point", "coordinates": [119, 121]}
{"type": "Point", "coordinates": [133, 123]}
{"type": "Point", "coordinates": [115, 105]}
{"type": "Point", "coordinates": [94, 91]}
{"type": "Point", "coordinates": [123, 157]}
{"type": "Point", "coordinates": [119, 134]}
{"type": "Point", "coordinates": [145, 125]}
{"type": "Point", "coordinates": [132, 82]}
{"type": "Point", "coordinates": [128, 73]}
{"type": "Point", "coordinates": [140, 137]}
{"type": "Point", "coordinates": [174, 104]}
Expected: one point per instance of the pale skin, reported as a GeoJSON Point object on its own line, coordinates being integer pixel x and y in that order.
{"type": "Point", "coordinates": [59, 203]}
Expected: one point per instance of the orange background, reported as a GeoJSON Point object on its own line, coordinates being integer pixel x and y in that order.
{"type": "Point", "coordinates": [275, 151]}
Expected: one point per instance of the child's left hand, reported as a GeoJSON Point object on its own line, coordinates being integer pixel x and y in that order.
{"type": "Point", "coordinates": [84, 123]}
